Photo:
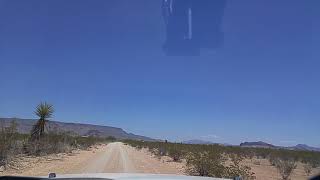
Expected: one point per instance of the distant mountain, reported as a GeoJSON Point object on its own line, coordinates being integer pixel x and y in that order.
{"type": "Point", "coordinates": [259, 144]}
{"type": "Point", "coordinates": [197, 141]}
{"type": "Point", "coordinates": [304, 147]}
{"type": "Point", "coordinates": [25, 125]}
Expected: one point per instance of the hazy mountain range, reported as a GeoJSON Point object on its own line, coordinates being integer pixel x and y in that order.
{"type": "Point", "coordinates": [258, 144]}
{"type": "Point", "coordinates": [25, 125]}
{"type": "Point", "coordinates": [304, 147]}
{"type": "Point", "coordinates": [197, 141]}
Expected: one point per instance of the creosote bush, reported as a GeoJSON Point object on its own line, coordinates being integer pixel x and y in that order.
{"type": "Point", "coordinates": [285, 167]}
{"type": "Point", "coordinates": [307, 168]}
{"type": "Point", "coordinates": [201, 160]}
{"type": "Point", "coordinates": [237, 169]}
{"type": "Point", "coordinates": [207, 163]}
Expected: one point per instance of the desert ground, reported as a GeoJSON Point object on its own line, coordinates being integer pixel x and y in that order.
{"type": "Point", "coordinates": [120, 158]}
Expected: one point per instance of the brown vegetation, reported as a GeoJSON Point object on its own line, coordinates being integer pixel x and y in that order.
{"type": "Point", "coordinates": [307, 168]}
{"type": "Point", "coordinates": [285, 167]}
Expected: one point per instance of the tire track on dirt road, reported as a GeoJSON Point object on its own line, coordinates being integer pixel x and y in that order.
{"type": "Point", "coordinates": [114, 159]}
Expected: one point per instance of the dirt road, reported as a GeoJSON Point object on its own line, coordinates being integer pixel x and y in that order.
{"type": "Point", "coordinates": [112, 158]}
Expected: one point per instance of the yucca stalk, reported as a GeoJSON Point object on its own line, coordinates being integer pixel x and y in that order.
{"type": "Point", "coordinates": [43, 111]}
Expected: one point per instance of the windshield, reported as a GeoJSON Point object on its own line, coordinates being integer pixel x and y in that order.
{"type": "Point", "coordinates": [215, 88]}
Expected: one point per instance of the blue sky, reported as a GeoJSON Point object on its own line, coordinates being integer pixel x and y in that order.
{"type": "Point", "coordinates": [101, 62]}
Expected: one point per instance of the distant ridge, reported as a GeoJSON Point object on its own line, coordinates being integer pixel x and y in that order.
{"type": "Point", "coordinates": [304, 147]}
{"type": "Point", "coordinates": [259, 144]}
{"type": "Point", "coordinates": [25, 125]}
{"type": "Point", "coordinates": [197, 141]}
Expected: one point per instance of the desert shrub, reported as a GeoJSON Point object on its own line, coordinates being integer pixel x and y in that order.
{"type": "Point", "coordinates": [272, 159]}
{"type": "Point", "coordinates": [175, 153]}
{"type": "Point", "coordinates": [192, 153]}
{"type": "Point", "coordinates": [315, 164]}
{"type": "Point", "coordinates": [307, 169]}
{"type": "Point", "coordinates": [285, 167]}
{"type": "Point", "coordinates": [60, 142]}
{"type": "Point", "coordinates": [9, 145]}
{"type": "Point", "coordinates": [139, 147]}
{"type": "Point", "coordinates": [312, 161]}
{"type": "Point", "coordinates": [208, 163]}
{"type": "Point", "coordinates": [111, 139]}
{"type": "Point", "coordinates": [238, 170]}
{"type": "Point", "coordinates": [154, 151]}
{"type": "Point", "coordinates": [49, 143]}
{"type": "Point", "coordinates": [87, 142]}
{"type": "Point", "coordinates": [163, 151]}
{"type": "Point", "coordinates": [250, 154]}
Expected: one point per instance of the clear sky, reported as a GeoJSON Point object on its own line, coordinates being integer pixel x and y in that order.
{"type": "Point", "coordinates": [101, 62]}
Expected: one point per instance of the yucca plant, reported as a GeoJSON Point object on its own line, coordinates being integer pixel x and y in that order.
{"type": "Point", "coordinates": [43, 111]}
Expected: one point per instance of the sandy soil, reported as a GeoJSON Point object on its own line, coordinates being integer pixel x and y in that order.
{"type": "Point", "coordinates": [117, 158]}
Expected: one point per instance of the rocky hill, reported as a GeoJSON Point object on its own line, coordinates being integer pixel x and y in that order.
{"type": "Point", "coordinates": [261, 144]}
{"type": "Point", "coordinates": [258, 144]}
{"type": "Point", "coordinates": [25, 125]}
{"type": "Point", "coordinates": [304, 147]}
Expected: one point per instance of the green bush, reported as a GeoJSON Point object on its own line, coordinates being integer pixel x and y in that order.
{"type": "Point", "coordinates": [208, 163]}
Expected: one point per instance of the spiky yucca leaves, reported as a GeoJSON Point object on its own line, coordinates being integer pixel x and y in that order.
{"type": "Point", "coordinates": [43, 111]}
